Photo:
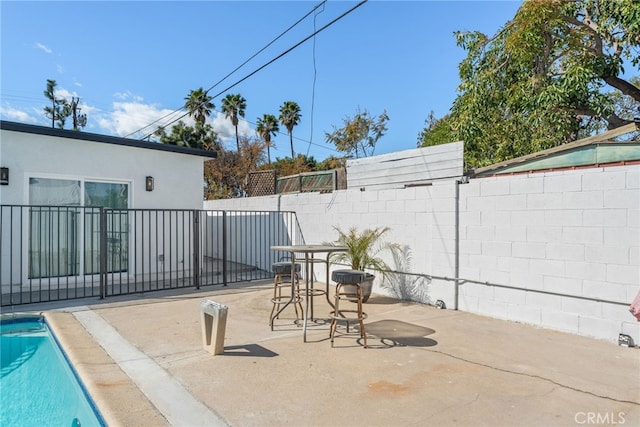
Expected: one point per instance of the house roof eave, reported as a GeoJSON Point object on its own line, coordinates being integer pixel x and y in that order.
{"type": "Point", "coordinates": [105, 139]}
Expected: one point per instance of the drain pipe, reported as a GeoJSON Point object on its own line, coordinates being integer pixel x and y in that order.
{"type": "Point", "coordinates": [463, 180]}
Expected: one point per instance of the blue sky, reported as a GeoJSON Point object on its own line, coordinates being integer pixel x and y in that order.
{"type": "Point", "coordinates": [132, 63]}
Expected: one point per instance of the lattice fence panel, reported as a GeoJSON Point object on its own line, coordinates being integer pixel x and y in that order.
{"type": "Point", "coordinates": [261, 183]}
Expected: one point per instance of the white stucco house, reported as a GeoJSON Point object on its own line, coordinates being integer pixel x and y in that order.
{"type": "Point", "coordinates": [39, 159]}
{"type": "Point", "coordinates": [76, 207]}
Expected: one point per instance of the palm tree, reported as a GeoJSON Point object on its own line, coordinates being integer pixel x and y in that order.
{"type": "Point", "coordinates": [199, 105]}
{"type": "Point", "coordinates": [233, 105]}
{"type": "Point", "coordinates": [290, 117]}
{"type": "Point", "coordinates": [267, 126]}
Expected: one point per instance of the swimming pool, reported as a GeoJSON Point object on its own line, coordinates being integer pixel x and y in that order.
{"type": "Point", "coordinates": [39, 386]}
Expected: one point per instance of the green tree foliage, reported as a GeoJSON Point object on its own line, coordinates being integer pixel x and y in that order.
{"type": "Point", "coordinates": [234, 105]}
{"type": "Point", "coordinates": [330, 163]}
{"type": "Point", "coordinates": [267, 127]}
{"type": "Point", "coordinates": [289, 166]}
{"type": "Point", "coordinates": [541, 80]}
{"type": "Point", "coordinates": [60, 108]}
{"type": "Point", "coordinates": [359, 134]}
{"type": "Point", "coordinates": [289, 118]}
{"type": "Point", "coordinates": [437, 131]}
{"type": "Point", "coordinates": [199, 105]}
{"type": "Point", "coordinates": [225, 176]}
{"type": "Point", "coordinates": [200, 136]}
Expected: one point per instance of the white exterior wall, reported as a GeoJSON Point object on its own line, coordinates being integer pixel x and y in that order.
{"type": "Point", "coordinates": [177, 177]}
{"type": "Point", "coordinates": [573, 232]}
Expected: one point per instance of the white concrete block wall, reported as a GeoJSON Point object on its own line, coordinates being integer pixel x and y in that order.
{"type": "Point", "coordinates": [547, 234]}
{"type": "Point", "coordinates": [577, 234]}
{"type": "Point", "coordinates": [409, 212]}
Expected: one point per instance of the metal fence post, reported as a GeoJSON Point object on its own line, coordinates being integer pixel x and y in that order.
{"type": "Point", "coordinates": [103, 253]}
{"type": "Point", "coordinates": [224, 248]}
{"type": "Point", "coordinates": [196, 248]}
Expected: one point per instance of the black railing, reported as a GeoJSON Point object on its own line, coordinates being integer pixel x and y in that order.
{"type": "Point", "coordinates": [50, 253]}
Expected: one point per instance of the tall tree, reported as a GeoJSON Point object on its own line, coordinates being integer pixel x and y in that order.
{"type": "Point", "coordinates": [225, 177]}
{"type": "Point", "coordinates": [540, 81]}
{"type": "Point", "coordinates": [267, 126]}
{"type": "Point", "coordinates": [289, 118]}
{"type": "Point", "coordinates": [79, 120]}
{"type": "Point", "coordinates": [60, 108]}
{"type": "Point", "coordinates": [359, 134]}
{"type": "Point", "coordinates": [199, 105]}
{"type": "Point", "coordinates": [233, 105]}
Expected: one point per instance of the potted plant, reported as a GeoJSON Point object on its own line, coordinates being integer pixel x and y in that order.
{"type": "Point", "coordinates": [364, 249]}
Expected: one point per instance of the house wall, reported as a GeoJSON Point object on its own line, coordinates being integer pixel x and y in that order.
{"type": "Point", "coordinates": [177, 185]}
{"type": "Point", "coordinates": [558, 249]}
{"type": "Point", "coordinates": [27, 154]}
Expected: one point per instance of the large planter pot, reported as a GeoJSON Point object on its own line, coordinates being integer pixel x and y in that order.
{"type": "Point", "coordinates": [366, 285]}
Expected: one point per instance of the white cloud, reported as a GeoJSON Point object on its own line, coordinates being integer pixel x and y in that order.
{"type": "Point", "coordinates": [127, 96]}
{"type": "Point", "coordinates": [17, 115]}
{"type": "Point", "coordinates": [66, 94]}
{"type": "Point", "coordinates": [227, 132]}
{"type": "Point", "coordinates": [134, 119]}
{"type": "Point", "coordinates": [123, 96]}
{"type": "Point", "coordinates": [60, 69]}
{"type": "Point", "coordinates": [43, 48]}
{"type": "Point", "coordinates": [223, 128]}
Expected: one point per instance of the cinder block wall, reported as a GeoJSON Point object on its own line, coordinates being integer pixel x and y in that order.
{"type": "Point", "coordinates": [559, 250]}
{"type": "Point", "coordinates": [572, 232]}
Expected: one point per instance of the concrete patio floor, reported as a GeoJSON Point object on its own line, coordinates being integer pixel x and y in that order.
{"type": "Point", "coordinates": [142, 360]}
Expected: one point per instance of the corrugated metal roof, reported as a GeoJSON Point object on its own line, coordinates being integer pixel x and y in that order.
{"type": "Point", "coordinates": [592, 151]}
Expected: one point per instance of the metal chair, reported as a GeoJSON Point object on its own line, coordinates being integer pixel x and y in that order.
{"type": "Point", "coordinates": [282, 290]}
{"type": "Point", "coordinates": [349, 294]}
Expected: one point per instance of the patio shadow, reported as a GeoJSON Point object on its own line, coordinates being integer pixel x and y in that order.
{"type": "Point", "coordinates": [251, 350]}
{"type": "Point", "coordinates": [398, 333]}
{"type": "Point", "coordinates": [381, 299]}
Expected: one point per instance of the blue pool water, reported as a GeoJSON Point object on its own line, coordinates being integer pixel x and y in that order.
{"type": "Point", "coordinates": [38, 387]}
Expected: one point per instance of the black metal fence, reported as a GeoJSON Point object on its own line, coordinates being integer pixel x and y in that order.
{"type": "Point", "coordinates": [50, 253]}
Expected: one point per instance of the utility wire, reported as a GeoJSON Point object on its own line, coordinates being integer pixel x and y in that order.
{"type": "Point", "coordinates": [291, 48]}
{"type": "Point", "coordinates": [279, 56]}
{"type": "Point", "coordinates": [237, 68]}
{"type": "Point", "coordinates": [313, 86]}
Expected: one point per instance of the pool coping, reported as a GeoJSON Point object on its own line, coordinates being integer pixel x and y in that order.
{"type": "Point", "coordinates": [109, 386]}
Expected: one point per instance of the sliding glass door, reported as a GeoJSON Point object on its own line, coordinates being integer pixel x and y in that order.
{"type": "Point", "coordinates": [57, 224]}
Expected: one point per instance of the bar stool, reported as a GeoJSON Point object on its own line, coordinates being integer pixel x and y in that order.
{"type": "Point", "coordinates": [348, 291]}
{"type": "Point", "coordinates": [282, 290]}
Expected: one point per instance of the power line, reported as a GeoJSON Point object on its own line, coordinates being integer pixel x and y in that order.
{"type": "Point", "coordinates": [313, 86]}
{"type": "Point", "coordinates": [291, 48]}
{"type": "Point", "coordinates": [279, 56]}
{"type": "Point", "coordinates": [235, 69]}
